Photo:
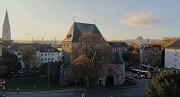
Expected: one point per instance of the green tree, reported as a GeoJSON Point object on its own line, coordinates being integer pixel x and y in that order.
{"type": "Point", "coordinates": [3, 68]}
{"type": "Point", "coordinates": [10, 60]}
{"type": "Point", "coordinates": [29, 55]}
{"type": "Point", "coordinates": [157, 61]}
{"type": "Point", "coordinates": [132, 54]}
{"type": "Point", "coordinates": [165, 84]}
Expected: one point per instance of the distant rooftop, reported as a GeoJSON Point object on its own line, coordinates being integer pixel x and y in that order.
{"type": "Point", "coordinates": [38, 47]}
{"type": "Point", "coordinates": [175, 45]}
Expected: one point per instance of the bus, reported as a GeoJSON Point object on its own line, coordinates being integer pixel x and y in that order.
{"type": "Point", "coordinates": [137, 73]}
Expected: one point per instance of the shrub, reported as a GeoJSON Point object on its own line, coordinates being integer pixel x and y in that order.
{"type": "Point", "coordinates": [165, 84]}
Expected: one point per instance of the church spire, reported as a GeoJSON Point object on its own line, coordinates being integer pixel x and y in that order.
{"type": "Point", "coordinates": [6, 32]}
{"type": "Point", "coordinates": [6, 19]}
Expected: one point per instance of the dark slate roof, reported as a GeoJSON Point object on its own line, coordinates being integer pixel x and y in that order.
{"type": "Point", "coordinates": [118, 58]}
{"type": "Point", "coordinates": [117, 44]}
{"type": "Point", "coordinates": [77, 29]}
{"type": "Point", "coordinates": [38, 47]}
{"type": "Point", "coordinates": [175, 45]}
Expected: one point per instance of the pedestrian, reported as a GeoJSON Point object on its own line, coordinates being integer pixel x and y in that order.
{"type": "Point", "coordinates": [17, 90]}
{"type": "Point", "coordinates": [83, 95]}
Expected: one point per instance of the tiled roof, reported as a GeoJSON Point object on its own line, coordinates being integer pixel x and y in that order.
{"type": "Point", "coordinates": [77, 29]}
{"type": "Point", "coordinates": [175, 45]}
{"type": "Point", "coordinates": [38, 47]}
{"type": "Point", "coordinates": [117, 44]}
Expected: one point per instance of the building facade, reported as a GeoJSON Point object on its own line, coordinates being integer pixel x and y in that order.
{"type": "Point", "coordinates": [172, 55]}
{"type": "Point", "coordinates": [150, 53]}
{"type": "Point", "coordinates": [44, 53]}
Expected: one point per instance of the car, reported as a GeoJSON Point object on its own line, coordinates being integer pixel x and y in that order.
{"type": "Point", "coordinates": [20, 72]}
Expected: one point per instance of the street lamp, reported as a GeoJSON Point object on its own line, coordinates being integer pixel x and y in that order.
{"type": "Point", "coordinates": [48, 68]}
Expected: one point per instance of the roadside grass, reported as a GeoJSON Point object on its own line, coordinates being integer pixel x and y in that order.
{"type": "Point", "coordinates": [30, 84]}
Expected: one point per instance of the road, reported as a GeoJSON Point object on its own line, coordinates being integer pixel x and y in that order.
{"type": "Point", "coordinates": [138, 90]}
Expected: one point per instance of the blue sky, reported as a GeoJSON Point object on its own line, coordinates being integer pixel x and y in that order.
{"type": "Point", "coordinates": [116, 19]}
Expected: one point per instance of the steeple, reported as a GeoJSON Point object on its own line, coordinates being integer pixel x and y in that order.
{"type": "Point", "coordinates": [6, 19]}
{"type": "Point", "coordinates": [6, 33]}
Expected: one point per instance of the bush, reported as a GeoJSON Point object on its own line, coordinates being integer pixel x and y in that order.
{"type": "Point", "coordinates": [165, 84]}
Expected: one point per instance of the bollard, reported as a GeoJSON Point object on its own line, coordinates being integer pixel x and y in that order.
{"type": "Point", "coordinates": [83, 95]}
{"type": "Point", "coordinates": [17, 90]}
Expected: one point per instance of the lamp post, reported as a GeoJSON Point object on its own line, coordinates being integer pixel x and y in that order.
{"type": "Point", "coordinates": [48, 68]}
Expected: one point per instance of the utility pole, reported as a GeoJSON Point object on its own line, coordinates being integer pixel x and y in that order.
{"type": "Point", "coordinates": [48, 68]}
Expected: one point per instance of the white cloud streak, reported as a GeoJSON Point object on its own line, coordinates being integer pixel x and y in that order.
{"type": "Point", "coordinates": [141, 19]}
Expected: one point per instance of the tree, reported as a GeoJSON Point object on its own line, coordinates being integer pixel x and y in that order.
{"type": "Point", "coordinates": [10, 60]}
{"type": "Point", "coordinates": [165, 84]}
{"type": "Point", "coordinates": [132, 54]}
{"type": "Point", "coordinates": [83, 68]}
{"type": "Point", "coordinates": [3, 68]}
{"type": "Point", "coordinates": [29, 55]}
{"type": "Point", "coordinates": [157, 61]}
{"type": "Point", "coordinates": [92, 53]}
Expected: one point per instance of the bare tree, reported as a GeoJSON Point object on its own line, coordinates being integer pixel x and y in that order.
{"type": "Point", "coordinates": [29, 55]}
{"type": "Point", "coordinates": [91, 54]}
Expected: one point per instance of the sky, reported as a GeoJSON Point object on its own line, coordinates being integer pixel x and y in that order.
{"type": "Point", "coordinates": [116, 19]}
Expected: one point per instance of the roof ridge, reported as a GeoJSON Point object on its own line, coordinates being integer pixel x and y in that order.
{"type": "Point", "coordinates": [175, 44]}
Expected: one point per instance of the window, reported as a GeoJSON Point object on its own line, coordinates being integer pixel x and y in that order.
{"type": "Point", "coordinates": [45, 54]}
{"type": "Point", "coordinates": [41, 59]}
{"type": "Point", "coordinates": [52, 54]}
{"type": "Point", "coordinates": [52, 59]}
{"type": "Point", "coordinates": [49, 59]}
{"type": "Point", "coordinates": [41, 54]}
{"type": "Point", "coordinates": [45, 59]}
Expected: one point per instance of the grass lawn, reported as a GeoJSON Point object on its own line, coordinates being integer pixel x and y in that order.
{"type": "Point", "coordinates": [27, 84]}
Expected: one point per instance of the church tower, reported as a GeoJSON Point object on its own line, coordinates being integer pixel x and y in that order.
{"type": "Point", "coordinates": [6, 32]}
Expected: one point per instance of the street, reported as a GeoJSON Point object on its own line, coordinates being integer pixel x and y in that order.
{"type": "Point", "coordinates": [138, 90]}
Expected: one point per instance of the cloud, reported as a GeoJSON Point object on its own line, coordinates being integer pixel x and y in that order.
{"type": "Point", "coordinates": [141, 19]}
{"type": "Point", "coordinates": [109, 9]}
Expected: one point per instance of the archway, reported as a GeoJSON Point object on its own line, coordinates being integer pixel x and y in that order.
{"type": "Point", "coordinates": [110, 81]}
